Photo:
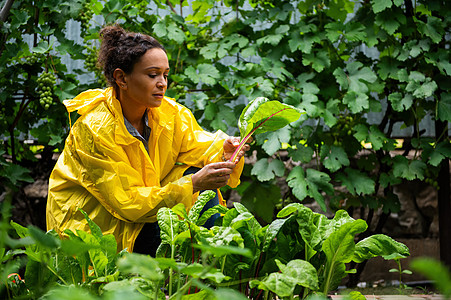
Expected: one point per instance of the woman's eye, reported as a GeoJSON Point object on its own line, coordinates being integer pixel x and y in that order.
{"type": "Point", "coordinates": [152, 76]}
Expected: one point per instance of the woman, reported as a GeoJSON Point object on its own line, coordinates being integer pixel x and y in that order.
{"type": "Point", "coordinates": [127, 154]}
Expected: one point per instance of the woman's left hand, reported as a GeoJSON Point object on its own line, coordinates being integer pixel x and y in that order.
{"type": "Point", "coordinates": [230, 145]}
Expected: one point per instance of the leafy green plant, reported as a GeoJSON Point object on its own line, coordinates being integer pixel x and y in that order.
{"type": "Point", "coordinates": [400, 271]}
{"type": "Point", "coordinates": [436, 271]}
{"type": "Point", "coordinates": [301, 253]}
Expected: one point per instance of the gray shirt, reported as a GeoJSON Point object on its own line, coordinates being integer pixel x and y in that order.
{"type": "Point", "coordinates": [146, 133]}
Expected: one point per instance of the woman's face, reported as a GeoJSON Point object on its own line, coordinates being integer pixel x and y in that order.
{"type": "Point", "coordinates": [148, 81]}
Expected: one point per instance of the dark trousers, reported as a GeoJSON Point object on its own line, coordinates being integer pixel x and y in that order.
{"type": "Point", "coordinates": [149, 239]}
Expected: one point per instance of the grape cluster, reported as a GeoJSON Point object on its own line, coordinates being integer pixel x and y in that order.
{"type": "Point", "coordinates": [91, 59]}
{"type": "Point", "coordinates": [344, 127]}
{"type": "Point", "coordinates": [46, 86]}
{"type": "Point", "coordinates": [431, 179]}
{"type": "Point", "coordinates": [85, 16]}
{"type": "Point", "coordinates": [33, 58]}
{"type": "Point", "coordinates": [91, 65]}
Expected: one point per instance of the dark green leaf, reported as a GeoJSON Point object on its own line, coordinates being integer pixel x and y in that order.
{"type": "Point", "coordinates": [266, 170]}
{"type": "Point", "coordinates": [379, 245]}
{"type": "Point", "coordinates": [357, 182]}
{"type": "Point", "coordinates": [336, 158]}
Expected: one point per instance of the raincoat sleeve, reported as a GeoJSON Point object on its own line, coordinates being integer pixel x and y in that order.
{"type": "Point", "coordinates": [115, 178]}
{"type": "Point", "coordinates": [199, 147]}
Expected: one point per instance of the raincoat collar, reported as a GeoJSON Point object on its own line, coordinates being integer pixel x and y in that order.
{"type": "Point", "coordinates": [158, 118]}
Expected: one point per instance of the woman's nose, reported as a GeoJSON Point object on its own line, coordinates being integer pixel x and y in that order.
{"type": "Point", "coordinates": [161, 84]}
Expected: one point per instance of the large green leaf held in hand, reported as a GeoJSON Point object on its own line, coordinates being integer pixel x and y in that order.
{"type": "Point", "coordinates": [264, 115]}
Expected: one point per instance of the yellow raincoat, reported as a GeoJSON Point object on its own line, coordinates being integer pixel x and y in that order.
{"type": "Point", "coordinates": [108, 173]}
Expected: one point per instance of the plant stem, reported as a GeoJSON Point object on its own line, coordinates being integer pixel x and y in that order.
{"type": "Point", "coordinates": [246, 138]}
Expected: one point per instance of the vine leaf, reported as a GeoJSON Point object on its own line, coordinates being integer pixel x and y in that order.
{"type": "Point", "coordinates": [357, 182]}
{"type": "Point", "coordinates": [409, 170]}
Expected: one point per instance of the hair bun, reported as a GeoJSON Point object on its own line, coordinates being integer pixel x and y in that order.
{"type": "Point", "coordinates": [112, 34]}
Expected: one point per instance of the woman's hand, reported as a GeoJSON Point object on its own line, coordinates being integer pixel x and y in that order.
{"type": "Point", "coordinates": [212, 176]}
{"type": "Point", "coordinates": [231, 143]}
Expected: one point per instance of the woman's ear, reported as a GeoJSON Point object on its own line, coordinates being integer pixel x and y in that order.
{"type": "Point", "coordinates": [119, 77]}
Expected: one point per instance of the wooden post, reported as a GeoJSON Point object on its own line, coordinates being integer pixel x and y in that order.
{"type": "Point", "coordinates": [444, 199]}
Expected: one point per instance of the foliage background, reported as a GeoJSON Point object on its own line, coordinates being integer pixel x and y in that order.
{"type": "Point", "coordinates": [339, 60]}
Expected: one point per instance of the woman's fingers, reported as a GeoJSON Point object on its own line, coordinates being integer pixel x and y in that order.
{"type": "Point", "coordinates": [212, 176]}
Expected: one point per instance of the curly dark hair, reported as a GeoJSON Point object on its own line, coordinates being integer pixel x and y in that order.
{"type": "Point", "coordinates": [122, 49]}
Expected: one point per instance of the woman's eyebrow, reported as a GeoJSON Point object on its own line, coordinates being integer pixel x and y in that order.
{"type": "Point", "coordinates": [157, 68]}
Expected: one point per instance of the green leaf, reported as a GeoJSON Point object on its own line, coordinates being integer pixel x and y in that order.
{"type": "Point", "coordinates": [379, 245]}
{"type": "Point", "coordinates": [302, 272]}
{"type": "Point", "coordinates": [160, 29]}
{"type": "Point", "coordinates": [302, 153]}
{"type": "Point", "coordinates": [42, 47]}
{"type": "Point", "coordinates": [95, 229]}
{"type": "Point", "coordinates": [225, 236]}
{"type": "Point", "coordinates": [388, 22]}
{"type": "Point", "coordinates": [339, 249]}
{"type": "Point", "coordinates": [409, 170]}
{"type": "Point", "coordinates": [65, 90]}
{"type": "Point", "coordinates": [441, 152]}
{"type": "Point", "coordinates": [143, 265]}
{"type": "Point", "coordinates": [444, 107]}
{"type": "Point", "coordinates": [357, 77]}
{"type": "Point", "coordinates": [357, 102]}
{"type": "Point", "coordinates": [310, 185]}
{"type": "Point", "coordinates": [273, 140]}
{"type": "Point", "coordinates": [355, 32]}
{"type": "Point", "coordinates": [208, 73]}
{"type": "Point", "coordinates": [272, 39]}
{"type": "Point", "coordinates": [271, 233]}
{"type": "Point", "coordinates": [224, 250]}
{"type": "Point", "coordinates": [336, 158]}
{"type": "Point", "coordinates": [262, 115]}
{"type": "Point", "coordinates": [400, 103]}
{"type": "Point", "coordinates": [340, 9]}
{"type": "Point", "coordinates": [16, 173]}
{"type": "Point", "coordinates": [433, 28]}
{"type": "Point", "coordinates": [217, 209]}
{"type": "Point", "coordinates": [75, 247]}
{"type": "Point", "coordinates": [296, 180]}
{"type": "Point", "coordinates": [380, 5]}
{"type": "Point", "coordinates": [319, 61]}
{"type": "Point", "coordinates": [261, 200]}
{"type": "Point", "coordinates": [266, 170]}
{"type": "Point", "coordinates": [204, 197]}
{"type": "Point", "coordinates": [226, 293]}
{"type": "Point", "coordinates": [70, 270]}
{"type": "Point", "coordinates": [44, 239]}
{"type": "Point", "coordinates": [19, 17]}
{"type": "Point", "coordinates": [169, 224]}
{"type": "Point", "coordinates": [278, 283]}
{"type": "Point", "coordinates": [357, 182]}
{"type": "Point", "coordinates": [436, 271]}
{"type": "Point", "coordinates": [426, 89]}
{"type": "Point", "coordinates": [98, 259]}
{"type": "Point", "coordinates": [378, 139]}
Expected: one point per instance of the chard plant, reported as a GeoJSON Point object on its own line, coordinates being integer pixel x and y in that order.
{"type": "Point", "coordinates": [264, 115]}
{"type": "Point", "coordinates": [301, 253]}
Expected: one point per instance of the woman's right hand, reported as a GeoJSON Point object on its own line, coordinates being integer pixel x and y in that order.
{"type": "Point", "coordinates": [212, 176]}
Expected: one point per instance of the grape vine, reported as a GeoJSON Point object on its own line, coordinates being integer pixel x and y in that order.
{"type": "Point", "coordinates": [91, 65]}
{"type": "Point", "coordinates": [85, 16]}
